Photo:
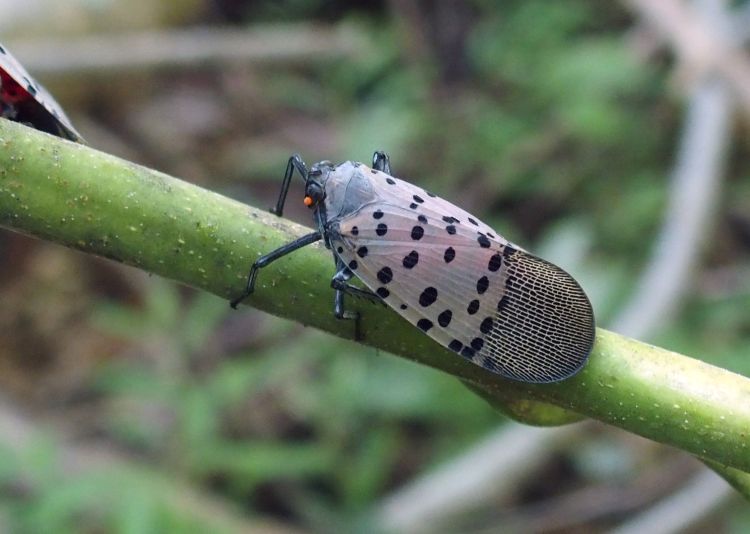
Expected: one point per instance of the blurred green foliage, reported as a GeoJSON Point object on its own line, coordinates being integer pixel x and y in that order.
{"type": "Point", "coordinates": [321, 417]}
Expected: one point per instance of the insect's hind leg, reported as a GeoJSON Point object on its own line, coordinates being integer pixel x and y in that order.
{"type": "Point", "coordinates": [272, 256]}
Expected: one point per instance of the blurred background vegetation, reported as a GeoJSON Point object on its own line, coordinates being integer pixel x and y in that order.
{"type": "Point", "coordinates": [130, 404]}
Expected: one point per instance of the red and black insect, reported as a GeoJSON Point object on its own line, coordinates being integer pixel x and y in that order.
{"type": "Point", "coordinates": [23, 99]}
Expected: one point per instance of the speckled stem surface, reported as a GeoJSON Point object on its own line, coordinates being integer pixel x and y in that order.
{"type": "Point", "coordinates": [99, 204]}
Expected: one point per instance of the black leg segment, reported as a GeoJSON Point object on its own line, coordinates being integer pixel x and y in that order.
{"type": "Point", "coordinates": [349, 289]}
{"type": "Point", "coordinates": [338, 281]}
{"type": "Point", "coordinates": [343, 273]}
{"type": "Point", "coordinates": [295, 163]}
{"type": "Point", "coordinates": [271, 257]}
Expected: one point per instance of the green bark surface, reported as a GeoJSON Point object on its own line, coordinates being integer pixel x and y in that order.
{"type": "Point", "coordinates": [99, 204]}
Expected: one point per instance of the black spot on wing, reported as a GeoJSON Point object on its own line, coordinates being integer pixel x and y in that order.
{"type": "Point", "coordinates": [428, 296]}
{"type": "Point", "coordinates": [444, 319]}
{"type": "Point", "coordinates": [482, 284]}
{"type": "Point", "coordinates": [385, 275]}
{"type": "Point", "coordinates": [496, 261]}
{"type": "Point", "coordinates": [477, 343]}
{"type": "Point", "coordinates": [468, 353]}
{"type": "Point", "coordinates": [410, 260]}
{"type": "Point", "coordinates": [486, 325]}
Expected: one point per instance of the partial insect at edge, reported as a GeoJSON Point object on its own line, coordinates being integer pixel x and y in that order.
{"type": "Point", "coordinates": [23, 99]}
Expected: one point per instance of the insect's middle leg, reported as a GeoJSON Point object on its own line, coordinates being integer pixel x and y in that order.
{"type": "Point", "coordinates": [271, 257]}
{"type": "Point", "coordinates": [340, 282]}
{"type": "Point", "coordinates": [354, 291]}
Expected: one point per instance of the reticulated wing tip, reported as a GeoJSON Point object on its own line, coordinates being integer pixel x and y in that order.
{"type": "Point", "coordinates": [545, 329]}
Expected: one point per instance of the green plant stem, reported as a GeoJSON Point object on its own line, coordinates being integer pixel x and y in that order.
{"type": "Point", "coordinates": [739, 480]}
{"type": "Point", "coordinates": [81, 198]}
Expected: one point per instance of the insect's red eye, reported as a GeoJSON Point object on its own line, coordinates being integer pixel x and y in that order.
{"type": "Point", "coordinates": [308, 201]}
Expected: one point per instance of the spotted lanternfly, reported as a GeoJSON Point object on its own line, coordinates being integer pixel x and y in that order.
{"type": "Point", "coordinates": [443, 270]}
{"type": "Point", "coordinates": [22, 99]}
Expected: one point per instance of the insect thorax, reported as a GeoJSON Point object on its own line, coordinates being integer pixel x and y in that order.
{"type": "Point", "coordinates": [347, 188]}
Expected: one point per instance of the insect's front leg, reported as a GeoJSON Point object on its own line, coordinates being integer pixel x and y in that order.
{"type": "Point", "coordinates": [295, 163]}
{"type": "Point", "coordinates": [271, 257]}
{"type": "Point", "coordinates": [340, 282]}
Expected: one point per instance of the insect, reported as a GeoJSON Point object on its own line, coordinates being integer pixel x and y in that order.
{"type": "Point", "coordinates": [442, 269]}
{"type": "Point", "coordinates": [22, 99]}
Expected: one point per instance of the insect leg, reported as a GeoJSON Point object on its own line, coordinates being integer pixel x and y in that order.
{"type": "Point", "coordinates": [381, 162]}
{"type": "Point", "coordinates": [295, 163]}
{"type": "Point", "coordinates": [354, 291]}
{"type": "Point", "coordinates": [338, 282]}
{"type": "Point", "coordinates": [271, 257]}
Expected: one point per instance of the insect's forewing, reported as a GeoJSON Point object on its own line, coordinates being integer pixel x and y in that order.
{"type": "Point", "coordinates": [469, 289]}
{"type": "Point", "coordinates": [33, 103]}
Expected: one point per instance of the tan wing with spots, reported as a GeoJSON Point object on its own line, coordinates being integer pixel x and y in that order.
{"type": "Point", "coordinates": [500, 307]}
